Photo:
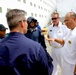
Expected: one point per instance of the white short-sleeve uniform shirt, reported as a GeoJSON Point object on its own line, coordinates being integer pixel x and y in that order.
{"type": "Point", "coordinates": [59, 31]}
{"type": "Point", "coordinates": [69, 48]}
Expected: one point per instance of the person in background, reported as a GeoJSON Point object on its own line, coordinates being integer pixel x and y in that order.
{"type": "Point", "coordinates": [69, 45]}
{"type": "Point", "coordinates": [38, 26]}
{"type": "Point", "coordinates": [36, 22]}
{"type": "Point", "coordinates": [56, 30]}
{"type": "Point", "coordinates": [20, 55]}
{"type": "Point", "coordinates": [2, 31]}
{"type": "Point", "coordinates": [34, 33]}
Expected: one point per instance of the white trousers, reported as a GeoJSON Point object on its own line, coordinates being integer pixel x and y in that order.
{"type": "Point", "coordinates": [67, 68]}
{"type": "Point", "coordinates": [56, 55]}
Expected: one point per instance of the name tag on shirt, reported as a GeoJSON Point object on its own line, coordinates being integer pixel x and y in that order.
{"type": "Point", "coordinates": [50, 30]}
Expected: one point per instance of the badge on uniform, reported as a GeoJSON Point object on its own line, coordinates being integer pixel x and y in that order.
{"type": "Point", "coordinates": [69, 42]}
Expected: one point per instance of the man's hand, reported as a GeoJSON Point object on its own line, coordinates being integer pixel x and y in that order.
{"type": "Point", "coordinates": [49, 39]}
{"type": "Point", "coordinates": [52, 40]}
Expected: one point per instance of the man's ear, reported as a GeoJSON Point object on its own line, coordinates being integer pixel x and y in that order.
{"type": "Point", "coordinates": [21, 23]}
{"type": "Point", "coordinates": [74, 19]}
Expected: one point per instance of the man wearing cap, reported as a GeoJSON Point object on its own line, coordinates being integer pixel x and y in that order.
{"type": "Point", "coordinates": [34, 33]}
{"type": "Point", "coordinates": [2, 31]}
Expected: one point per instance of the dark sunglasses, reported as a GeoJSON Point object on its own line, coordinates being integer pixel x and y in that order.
{"type": "Point", "coordinates": [54, 18]}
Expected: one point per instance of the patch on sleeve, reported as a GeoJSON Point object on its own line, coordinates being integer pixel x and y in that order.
{"type": "Point", "coordinates": [69, 41]}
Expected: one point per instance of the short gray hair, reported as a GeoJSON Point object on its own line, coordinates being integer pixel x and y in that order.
{"type": "Point", "coordinates": [14, 16]}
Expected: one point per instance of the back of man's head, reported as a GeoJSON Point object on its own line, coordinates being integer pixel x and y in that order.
{"type": "Point", "coordinates": [14, 16]}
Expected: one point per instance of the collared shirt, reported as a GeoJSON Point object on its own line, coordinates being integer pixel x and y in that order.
{"type": "Point", "coordinates": [59, 32]}
{"type": "Point", "coordinates": [69, 48]}
{"type": "Point", "coordinates": [24, 55]}
{"type": "Point", "coordinates": [1, 38]}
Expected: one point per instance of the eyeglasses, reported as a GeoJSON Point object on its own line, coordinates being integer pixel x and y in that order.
{"type": "Point", "coordinates": [54, 18]}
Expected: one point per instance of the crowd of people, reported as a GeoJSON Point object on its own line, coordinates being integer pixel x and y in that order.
{"type": "Point", "coordinates": [24, 50]}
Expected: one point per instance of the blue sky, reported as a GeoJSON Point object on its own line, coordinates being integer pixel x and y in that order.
{"type": "Point", "coordinates": [64, 6]}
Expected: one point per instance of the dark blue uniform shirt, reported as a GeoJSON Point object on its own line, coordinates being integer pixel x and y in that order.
{"type": "Point", "coordinates": [37, 36]}
{"type": "Point", "coordinates": [22, 56]}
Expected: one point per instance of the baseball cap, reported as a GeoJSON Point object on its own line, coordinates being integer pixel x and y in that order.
{"type": "Point", "coordinates": [2, 27]}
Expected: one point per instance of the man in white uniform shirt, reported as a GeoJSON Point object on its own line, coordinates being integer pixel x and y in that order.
{"type": "Point", "coordinates": [56, 30]}
{"type": "Point", "coordinates": [69, 45]}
